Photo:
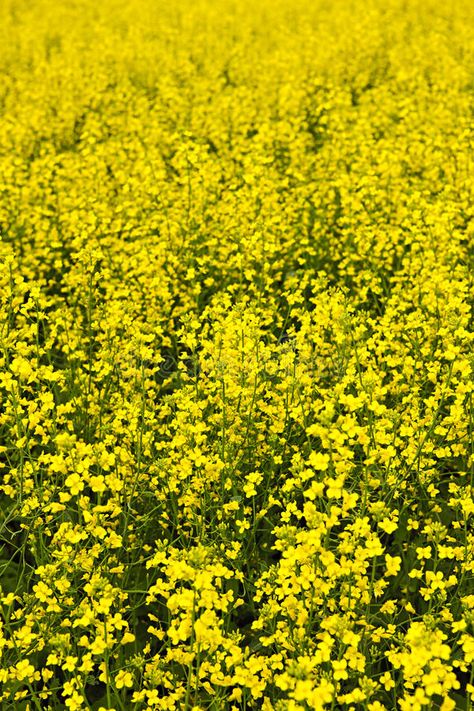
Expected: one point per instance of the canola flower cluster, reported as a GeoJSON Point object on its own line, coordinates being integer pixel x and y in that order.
{"type": "Point", "coordinates": [236, 355]}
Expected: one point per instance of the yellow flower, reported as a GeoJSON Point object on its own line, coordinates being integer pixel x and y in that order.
{"type": "Point", "coordinates": [423, 553]}
{"type": "Point", "coordinates": [123, 679]}
{"type": "Point", "coordinates": [24, 670]}
{"type": "Point", "coordinates": [74, 484]}
{"type": "Point", "coordinates": [392, 564]}
{"type": "Point", "coordinates": [388, 525]}
{"type": "Point", "coordinates": [319, 461]}
{"type": "Point", "coordinates": [340, 669]}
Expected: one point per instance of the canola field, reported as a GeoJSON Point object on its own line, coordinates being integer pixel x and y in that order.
{"type": "Point", "coordinates": [236, 355]}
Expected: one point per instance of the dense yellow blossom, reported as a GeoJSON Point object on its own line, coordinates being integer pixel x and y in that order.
{"type": "Point", "coordinates": [236, 370]}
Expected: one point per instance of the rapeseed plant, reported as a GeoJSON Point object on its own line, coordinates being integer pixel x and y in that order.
{"type": "Point", "coordinates": [236, 370]}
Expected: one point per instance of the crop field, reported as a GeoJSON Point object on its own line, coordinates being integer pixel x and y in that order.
{"type": "Point", "coordinates": [236, 355]}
